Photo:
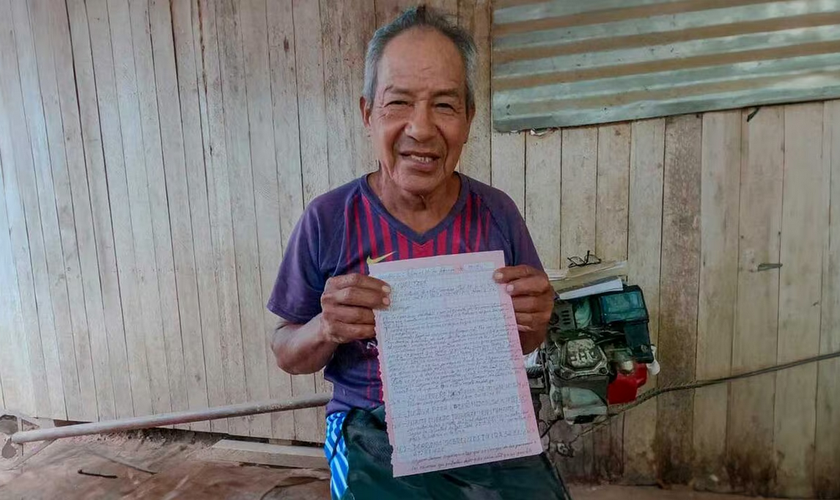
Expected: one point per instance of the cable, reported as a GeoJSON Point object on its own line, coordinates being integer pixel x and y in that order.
{"type": "Point", "coordinates": [653, 393]}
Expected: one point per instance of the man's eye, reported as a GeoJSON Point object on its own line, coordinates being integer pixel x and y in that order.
{"type": "Point", "coordinates": [397, 103]}
{"type": "Point", "coordinates": [444, 105]}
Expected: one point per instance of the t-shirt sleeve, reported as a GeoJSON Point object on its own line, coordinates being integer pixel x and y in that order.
{"type": "Point", "coordinates": [296, 296]}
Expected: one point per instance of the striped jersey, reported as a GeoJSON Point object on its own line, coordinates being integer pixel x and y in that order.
{"type": "Point", "coordinates": [343, 230]}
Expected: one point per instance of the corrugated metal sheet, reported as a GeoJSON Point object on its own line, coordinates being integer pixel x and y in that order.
{"type": "Point", "coordinates": [574, 62]}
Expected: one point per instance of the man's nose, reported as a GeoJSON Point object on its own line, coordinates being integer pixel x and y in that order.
{"type": "Point", "coordinates": [420, 126]}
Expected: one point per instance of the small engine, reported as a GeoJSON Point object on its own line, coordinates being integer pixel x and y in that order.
{"type": "Point", "coordinates": [597, 353]}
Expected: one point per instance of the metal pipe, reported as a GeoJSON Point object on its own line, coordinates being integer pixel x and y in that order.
{"type": "Point", "coordinates": [178, 417]}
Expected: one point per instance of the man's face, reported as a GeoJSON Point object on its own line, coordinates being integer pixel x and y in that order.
{"type": "Point", "coordinates": [419, 120]}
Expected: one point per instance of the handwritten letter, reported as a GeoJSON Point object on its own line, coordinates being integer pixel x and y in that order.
{"type": "Point", "coordinates": [453, 374]}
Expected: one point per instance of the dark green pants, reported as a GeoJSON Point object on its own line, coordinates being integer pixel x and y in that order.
{"type": "Point", "coordinates": [371, 477]}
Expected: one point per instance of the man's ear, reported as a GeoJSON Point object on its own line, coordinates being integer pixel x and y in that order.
{"type": "Point", "coordinates": [365, 111]}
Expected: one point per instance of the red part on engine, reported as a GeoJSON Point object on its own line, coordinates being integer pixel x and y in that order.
{"type": "Point", "coordinates": [625, 387]}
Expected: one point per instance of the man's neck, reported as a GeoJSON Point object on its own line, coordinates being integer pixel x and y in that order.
{"type": "Point", "coordinates": [419, 212]}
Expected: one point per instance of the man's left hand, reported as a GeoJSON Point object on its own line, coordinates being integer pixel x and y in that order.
{"type": "Point", "coordinates": [533, 301]}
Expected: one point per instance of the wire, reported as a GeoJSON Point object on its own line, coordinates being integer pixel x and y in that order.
{"type": "Point", "coordinates": [653, 393]}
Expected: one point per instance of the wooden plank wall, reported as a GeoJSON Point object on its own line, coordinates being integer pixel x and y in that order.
{"type": "Point", "coordinates": [156, 155]}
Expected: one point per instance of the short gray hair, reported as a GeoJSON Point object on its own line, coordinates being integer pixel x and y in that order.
{"type": "Point", "coordinates": [419, 17]}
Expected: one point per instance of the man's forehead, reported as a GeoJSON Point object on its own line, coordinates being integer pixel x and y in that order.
{"type": "Point", "coordinates": [421, 57]}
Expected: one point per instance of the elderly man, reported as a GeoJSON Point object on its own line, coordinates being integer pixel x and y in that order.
{"type": "Point", "coordinates": [417, 106]}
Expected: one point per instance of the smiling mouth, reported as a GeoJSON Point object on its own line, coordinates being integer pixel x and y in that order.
{"type": "Point", "coordinates": [420, 158]}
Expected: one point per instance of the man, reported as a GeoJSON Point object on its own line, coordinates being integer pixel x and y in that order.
{"type": "Point", "coordinates": [417, 105]}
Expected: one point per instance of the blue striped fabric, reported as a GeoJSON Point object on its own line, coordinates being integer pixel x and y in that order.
{"type": "Point", "coordinates": [336, 452]}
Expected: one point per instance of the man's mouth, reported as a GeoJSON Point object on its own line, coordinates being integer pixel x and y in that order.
{"type": "Point", "coordinates": [422, 158]}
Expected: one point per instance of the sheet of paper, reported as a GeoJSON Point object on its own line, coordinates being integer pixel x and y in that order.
{"type": "Point", "coordinates": [453, 374]}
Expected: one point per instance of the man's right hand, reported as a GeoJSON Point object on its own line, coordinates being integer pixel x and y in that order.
{"type": "Point", "coordinates": [347, 306]}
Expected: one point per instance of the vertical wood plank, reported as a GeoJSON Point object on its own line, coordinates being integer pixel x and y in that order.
{"type": "Point", "coordinates": [508, 163]}
{"type": "Point", "coordinates": [77, 333]}
{"type": "Point", "coordinates": [30, 257]}
{"type": "Point", "coordinates": [282, 67]}
{"type": "Point", "coordinates": [579, 158]}
{"type": "Point", "coordinates": [827, 459]}
{"type": "Point", "coordinates": [14, 359]}
{"type": "Point", "coordinates": [223, 375]}
{"type": "Point", "coordinates": [542, 194]}
{"type": "Point", "coordinates": [347, 27]}
{"type": "Point", "coordinates": [611, 224]}
{"type": "Point", "coordinates": [579, 190]}
{"type": "Point", "coordinates": [55, 296]}
{"type": "Point", "coordinates": [266, 243]}
{"type": "Point", "coordinates": [105, 231]}
{"type": "Point", "coordinates": [719, 205]}
{"type": "Point", "coordinates": [314, 156]}
{"type": "Point", "coordinates": [475, 17]}
{"type": "Point", "coordinates": [58, 29]}
{"type": "Point", "coordinates": [644, 241]}
{"type": "Point", "coordinates": [162, 136]}
{"type": "Point", "coordinates": [679, 284]}
{"type": "Point", "coordinates": [161, 270]}
{"type": "Point", "coordinates": [130, 91]}
{"type": "Point", "coordinates": [749, 461]}
{"type": "Point", "coordinates": [184, 12]}
{"type": "Point", "coordinates": [311, 97]}
{"type": "Point", "coordinates": [116, 194]}
{"type": "Point", "coordinates": [804, 218]}
{"type": "Point", "coordinates": [241, 198]}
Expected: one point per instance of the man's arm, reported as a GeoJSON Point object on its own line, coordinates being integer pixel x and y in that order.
{"type": "Point", "coordinates": [347, 306]}
{"type": "Point", "coordinates": [300, 349]}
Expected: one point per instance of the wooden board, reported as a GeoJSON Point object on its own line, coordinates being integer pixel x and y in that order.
{"type": "Point", "coordinates": [577, 236]}
{"type": "Point", "coordinates": [192, 329]}
{"type": "Point", "coordinates": [128, 88]}
{"type": "Point", "coordinates": [611, 224]}
{"type": "Point", "coordinates": [275, 455]}
{"type": "Point", "coordinates": [719, 206]}
{"type": "Point", "coordinates": [51, 288]}
{"type": "Point", "coordinates": [104, 229]}
{"type": "Point", "coordinates": [312, 108]}
{"type": "Point", "coordinates": [243, 319]}
{"type": "Point", "coordinates": [222, 374]}
{"type": "Point", "coordinates": [508, 165]}
{"type": "Point", "coordinates": [347, 25]}
{"type": "Point", "coordinates": [282, 67]}
{"type": "Point", "coordinates": [827, 453]}
{"type": "Point", "coordinates": [804, 217]}
{"type": "Point", "coordinates": [475, 17]}
{"type": "Point", "coordinates": [267, 244]}
{"type": "Point", "coordinates": [644, 237]}
{"type": "Point", "coordinates": [59, 34]}
{"type": "Point", "coordinates": [542, 194]}
{"type": "Point", "coordinates": [76, 346]}
{"type": "Point", "coordinates": [14, 360]}
{"type": "Point", "coordinates": [679, 289]}
{"type": "Point", "coordinates": [153, 42]}
{"type": "Point", "coordinates": [117, 192]}
{"type": "Point", "coordinates": [29, 247]}
{"type": "Point", "coordinates": [749, 458]}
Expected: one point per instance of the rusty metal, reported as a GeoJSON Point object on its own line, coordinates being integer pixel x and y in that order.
{"type": "Point", "coordinates": [566, 62]}
{"type": "Point", "coordinates": [179, 417]}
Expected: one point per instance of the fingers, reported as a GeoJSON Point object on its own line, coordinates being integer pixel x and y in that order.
{"type": "Point", "coordinates": [349, 315]}
{"type": "Point", "coordinates": [357, 281]}
{"type": "Point", "coordinates": [342, 333]}
{"type": "Point", "coordinates": [511, 273]}
{"type": "Point", "coordinates": [531, 285]}
{"type": "Point", "coordinates": [530, 304]}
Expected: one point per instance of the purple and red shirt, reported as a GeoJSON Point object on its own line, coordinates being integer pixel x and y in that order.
{"type": "Point", "coordinates": [341, 229]}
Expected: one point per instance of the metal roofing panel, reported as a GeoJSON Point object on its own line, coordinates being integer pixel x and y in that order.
{"type": "Point", "coordinates": [566, 62]}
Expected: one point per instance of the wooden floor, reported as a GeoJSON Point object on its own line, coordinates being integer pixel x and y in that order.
{"type": "Point", "coordinates": [164, 463]}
